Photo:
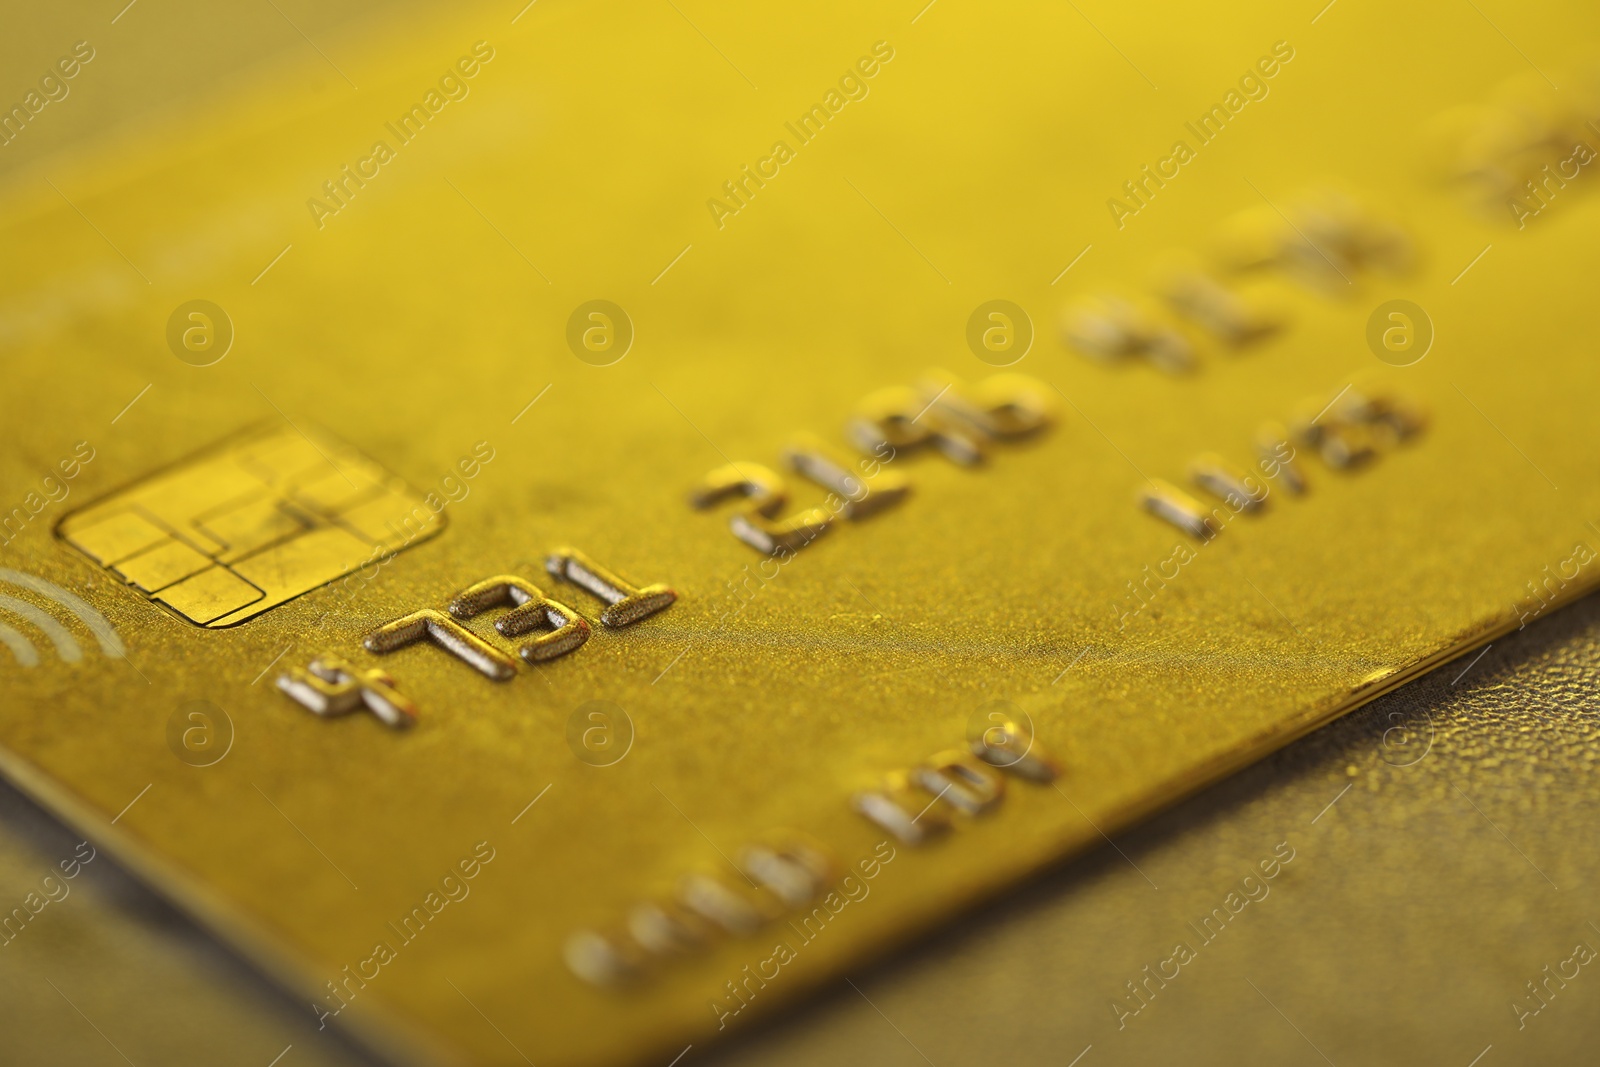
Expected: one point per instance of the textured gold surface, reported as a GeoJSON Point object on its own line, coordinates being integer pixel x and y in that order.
{"type": "Point", "coordinates": [1406, 929]}
{"type": "Point", "coordinates": [1405, 909]}
{"type": "Point", "coordinates": [417, 326]}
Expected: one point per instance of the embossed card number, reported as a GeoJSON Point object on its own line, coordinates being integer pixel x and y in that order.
{"type": "Point", "coordinates": [943, 413]}
{"type": "Point", "coordinates": [331, 686]}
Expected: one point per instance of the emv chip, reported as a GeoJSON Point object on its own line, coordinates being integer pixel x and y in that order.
{"type": "Point", "coordinates": [238, 530]}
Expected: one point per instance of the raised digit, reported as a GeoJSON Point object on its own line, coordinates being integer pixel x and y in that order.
{"type": "Point", "coordinates": [862, 495]}
{"type": "Point", "coordinates": [625, 603]}
{"type": "Point", "coordinates": [439, 629]}
{"type": "Point", "coordinates": [759, 527]}
{"type": "Point", "coordinates": [531, 610]}
{"type": "Point", "coordinates": [332, 686]}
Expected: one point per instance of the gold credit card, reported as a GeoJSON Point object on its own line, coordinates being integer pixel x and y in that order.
{"type": "Point", "coordinates": [564, 547]}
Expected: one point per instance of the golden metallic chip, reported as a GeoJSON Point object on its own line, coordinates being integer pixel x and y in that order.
{"type": "Point", "coordinates": [235, 531]}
